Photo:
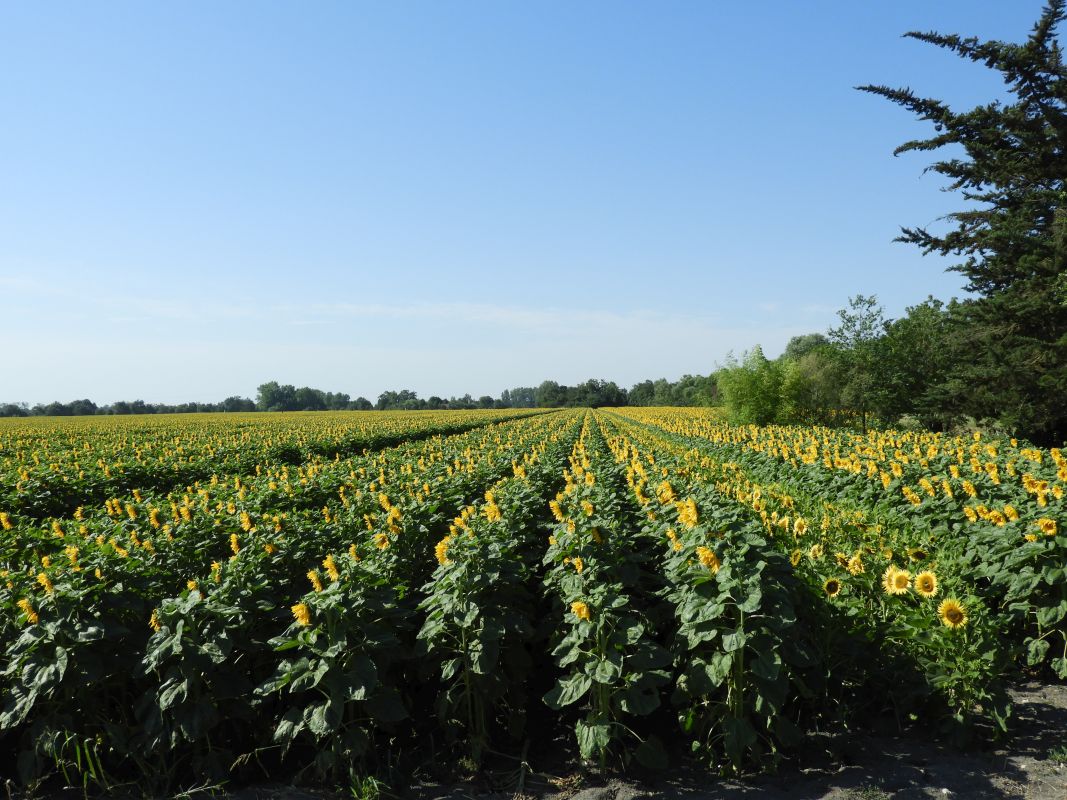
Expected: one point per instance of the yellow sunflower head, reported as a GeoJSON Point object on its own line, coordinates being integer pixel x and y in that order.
{"type": "Point", "coordinates": [855, 564]}
{"type": "Point", "coordinates": [952, 613]}
{"type": "Point", "coordinates": [895, 581]}
{"type": "Point", "coordinates": [832, 587]}
{"type": "Point", "coordinates": [926, 584]}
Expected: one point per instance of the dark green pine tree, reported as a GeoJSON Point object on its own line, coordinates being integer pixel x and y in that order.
{"type": "Point", "coordinates": [1009, 343]}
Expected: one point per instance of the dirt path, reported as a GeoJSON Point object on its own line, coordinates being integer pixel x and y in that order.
{"type": "Point", "coordinates": [860, 768]}
{"type": "Point", "coordinates": [854, 767]}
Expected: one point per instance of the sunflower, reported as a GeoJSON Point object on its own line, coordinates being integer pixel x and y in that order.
{"type": "Point", "coordinates": [580, 610]}
{"type": "Point", "coordinates": [895, 581]}
{"type": "Point", "coordinates": [301, 613]}
{"type": "Point", "coordinates": [926, 584]}
{"type": "Point", "coordinates": [952, 613]}
{"type": "Point", "coordinates": [855, 564]}
{"type": "Point", "coordinates": [708, 559]}
{"type": "Point", "coordinates": [1047, 526]}
{"type": "Point", "coordinates": [795, 556]}
{"type": "Point", "coordinates": [916, 553]}
{"type": "Point", "coordinates": [832, 587]}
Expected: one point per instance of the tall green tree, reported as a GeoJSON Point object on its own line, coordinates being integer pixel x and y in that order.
{"type": "Point", "coordinates": [1010, 344]}
{"type": "Point", "coordinates": [913, 358]}
{"type": "Point", "coordinates": [858, 342]}
{"type": "Point", "coordinates": [752, 389]}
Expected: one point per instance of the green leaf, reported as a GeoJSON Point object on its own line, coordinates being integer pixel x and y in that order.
{"type": "Point", "coordinates": [387, 706]}
{"type": "Point", "coordinates": [606, 670]}
{"type": "Point", "coordinates": [1050, 615]}
{"type": "Point", "coordinates": [734, 641]}
{"type": "Point", "coordinates": [640, 698]}
{"type": "Point", "coordinates": [318, 719]}
{"type": "Point", "coordinates": [719, 668]}
{"type": "Point", "coordinates": [568, 690]}
{"type": "Point", "coordinates": [173, 690]}
{"type": "Point", "coordinates": [767, 666]}
{"type": "Point", "coordinates": [739, 736]}
{"type": "Point", "coordinates": [1036, 652]}
{"type": "Point", "coordinates": [651, 754]}
{"type": "Point", "coordinates": [593, 738]}
{"type": "Point", "coordinates": [90, 633]}
{"type": "Point", "coordinates": [485, 656]}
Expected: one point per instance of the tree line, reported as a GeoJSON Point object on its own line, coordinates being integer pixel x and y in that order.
{"type": "Point", "coordinates": [690, 390]}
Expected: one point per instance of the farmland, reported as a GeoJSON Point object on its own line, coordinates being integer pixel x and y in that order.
{"type": "Point", "coordinates": [194, 599]}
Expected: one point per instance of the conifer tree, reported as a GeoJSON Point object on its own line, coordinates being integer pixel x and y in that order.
{"type": "Point", "coordinates": [1009, 342]}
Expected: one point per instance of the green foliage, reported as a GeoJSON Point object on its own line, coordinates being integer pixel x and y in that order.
{"type": "Point", "coordinates": [1009, 350]}
{"type": "Point", "coordinates": [751, 389]}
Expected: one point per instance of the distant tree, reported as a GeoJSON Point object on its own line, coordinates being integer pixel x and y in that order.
{"type": "Point", "coordinates": [362, 404]}
{"type": "Point", "coordinates": [752, 388]}
{"type": "Point", "coordinates": [641, 394]}
{"type": "Point", "coordinates": [83, 408]}
{"type": "Point", "coordinates": [236, 403]}
{"type": "Point", "coordinates": [274, 397]}
{"type": "Point", "coordinates": [800, 346]}
{"type": "Point", "coordinates": [308, 399]}
{"type": "Point", "coordinates": [857, 340]}
{"type": "Point", "coordinates": [551, 395]}
{"type": "Point", "coordinates": [916, 357]}
{"type": "Point", "coordinates": [695, 390]}
{"type": "Point", "coordinates": [522, 397]}
{"type": "Point", "coordinates": [337, 401]}
{"type": "Point", "coordinates": [463, 403]}
{"type": "Point", "coordinates": [811, 387]}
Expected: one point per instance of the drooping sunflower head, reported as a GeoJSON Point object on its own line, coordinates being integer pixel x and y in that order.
{"type": "Point", "coordinates": [708, 558]}
{"type": "Point", "coordinates": [916, 553]}
{"type": "Point", "coordinates": [832, 587]}
{"type": "Point", "coordinates": [795, 556]}
{"type": "Point", "coordinates": [301, 613]}
{"type": "Point", "coordinates": [580, 610]}
{"type": "Point", "coordinates": [926, 584]}
{"type": "Point", "coordinates": [952, 613]}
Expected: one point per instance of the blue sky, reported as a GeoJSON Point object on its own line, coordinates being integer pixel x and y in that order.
{"type": "Point", "coordinates": [196, 198]}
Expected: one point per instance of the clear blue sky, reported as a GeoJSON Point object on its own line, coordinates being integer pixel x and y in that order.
{"type": "Point", "coordinates": [196, 198]}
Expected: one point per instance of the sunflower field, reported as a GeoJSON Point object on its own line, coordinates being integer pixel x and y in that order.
{"type": "Point", "coordinates": [329, 596]}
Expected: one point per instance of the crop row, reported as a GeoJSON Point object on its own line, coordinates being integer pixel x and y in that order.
{"type": "Point", "coordinates": [50, 469]}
